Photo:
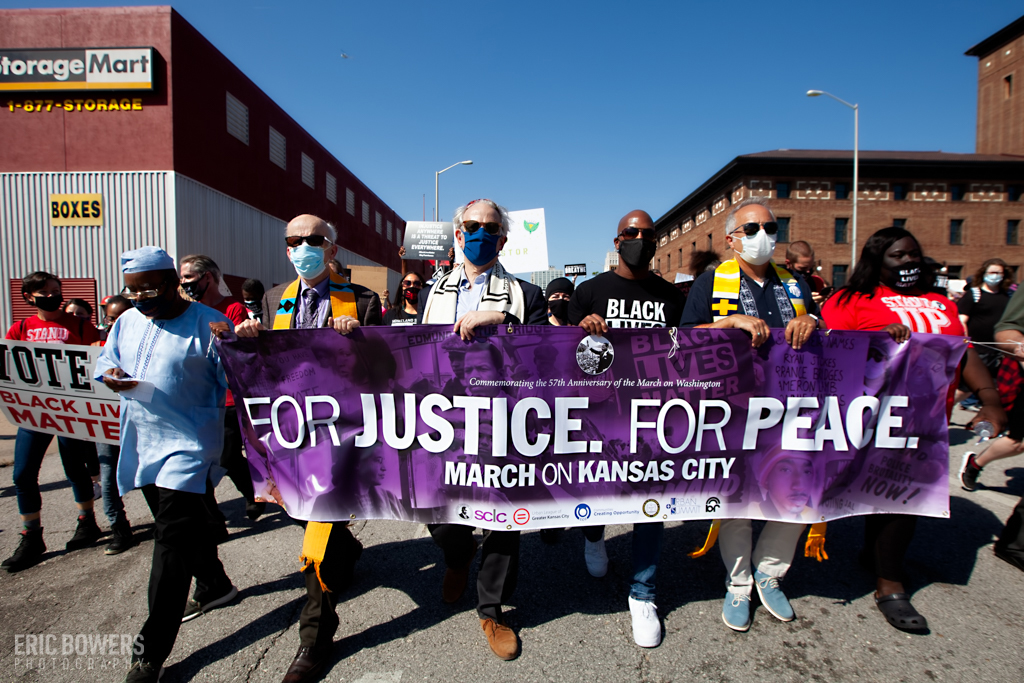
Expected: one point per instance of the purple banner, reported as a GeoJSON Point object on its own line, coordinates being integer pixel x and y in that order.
{"type": "Point", "coordinates": [533, 427]}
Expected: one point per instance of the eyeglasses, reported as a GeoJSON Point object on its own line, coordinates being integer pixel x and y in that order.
{"type": "Point", "coordinates": [140, 296]}
{"type": "Point", "coordinates": [472, 226]}
{"type": "Point", "coordinates": [752, 228]}
{"type": "Point", "coordinates": [109, 319]}
{"type": "Point", "coordinates": [632, 233]}
{"type": "Point", "coordinates": [312, 240]}
{"type": "Point", "coordinates": [413, 284]}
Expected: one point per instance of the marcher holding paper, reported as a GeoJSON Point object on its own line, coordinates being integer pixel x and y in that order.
{"type": "Point", "coordinates": [170, 437]}
{"type": "Point", "coordinates": [889, 291]}
{"type": "Point", "coordinates": [50, 325]}
{"type": "Point", "coordinates": [753, 294]}
{"type": "Point", "coordinates": [475, 293]}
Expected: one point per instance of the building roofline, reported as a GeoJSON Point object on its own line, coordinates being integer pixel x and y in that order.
{"type": "Point", "coordinates": [1001, 37]}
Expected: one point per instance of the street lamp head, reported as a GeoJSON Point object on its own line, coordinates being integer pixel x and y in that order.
{"type": "Point", "coordinates": [814, 93]}
{"type": "Point", "coordinates": [466, 163]}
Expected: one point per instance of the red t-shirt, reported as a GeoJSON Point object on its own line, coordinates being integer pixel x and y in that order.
{"type": "Point", "coordinates": [67, 329]}
{"type": "Point", "coordinates": [928, 313]}
{"type": "Point", "coordinates": [237, 314]}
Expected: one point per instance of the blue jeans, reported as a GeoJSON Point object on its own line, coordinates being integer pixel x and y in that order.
{"type": "Point", "coordinates": [113, 508]}
{"type": "Point", "coordinates": [29, 449]}
{"type": "Point", "coordinates": [647, 537]}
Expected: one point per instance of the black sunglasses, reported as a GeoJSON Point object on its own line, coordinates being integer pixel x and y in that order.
{"type": "Point", "coordinates": [411, 284]}
{"type": "Point", "coordinates": [311, 240]}
{"type": "Point", "coordinates": [751, 229]}
{"type": "Point", "coordinates": [632, 233]}
{"type": "Point", "coordinates": [473, 226]}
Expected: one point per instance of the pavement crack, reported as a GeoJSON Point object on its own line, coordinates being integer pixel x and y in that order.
{"type": "Point", "coordinates": [273, 641]}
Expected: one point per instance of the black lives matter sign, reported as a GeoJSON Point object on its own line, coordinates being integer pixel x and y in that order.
{"type": "Point", "coordinates": [104, 69]}
{"type": "Point", "coordinates": [575, 269]}
{"type": "Point", "coordinates": [426, 240]}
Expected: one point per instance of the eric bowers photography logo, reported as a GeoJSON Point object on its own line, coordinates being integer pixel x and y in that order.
{"type": "Point", "coordinates": [75, 652]}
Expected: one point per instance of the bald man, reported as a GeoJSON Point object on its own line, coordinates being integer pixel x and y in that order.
{"type": "Point", "coordinates": [318, 298]}
{"type": "Point", "coordinates": [630, 296]}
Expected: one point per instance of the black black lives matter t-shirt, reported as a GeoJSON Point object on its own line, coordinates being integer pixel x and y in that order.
{"type": "Point", "coordinates": [652, 302]}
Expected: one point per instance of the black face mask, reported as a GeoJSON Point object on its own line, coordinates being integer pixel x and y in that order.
{"type": "Point", "coordinates": [47, 303]}
{"type": "Point", "coordinates": [254, 307]}
{"type": "Point", "coordinates": [637, 254]}
{"type": "Point", "coordinates": [193, 290]}
{"type": "Point", "coordinates": [559, 308]}
{"type": "Point", "coordinates": [906, 277]}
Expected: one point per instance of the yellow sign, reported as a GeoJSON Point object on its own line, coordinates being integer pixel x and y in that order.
{"type": "Point", "coordinates": [76, 209]}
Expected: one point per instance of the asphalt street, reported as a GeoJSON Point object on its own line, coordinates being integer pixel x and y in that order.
{"type": "Point", "coordinates": [394, 627]}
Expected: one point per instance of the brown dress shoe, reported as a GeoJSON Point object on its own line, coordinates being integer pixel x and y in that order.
{"type": "Point", "coordinates": [454, 584]}
{"type": "Point", "coordinates": [307, 665]}
{"type": "Point", "coordinates": [501, 638]}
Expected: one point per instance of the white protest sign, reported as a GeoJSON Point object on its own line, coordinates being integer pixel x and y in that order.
{"type": "Point", "coordinates": [49, 388]}
{"type": "Point", "coordinates": [527, 246]}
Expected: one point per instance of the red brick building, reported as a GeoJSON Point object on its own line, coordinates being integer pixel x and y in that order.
{"type": "Point", "coordinates": [198, 159]}
{"type": "Point", "coordinates": [964, 208]}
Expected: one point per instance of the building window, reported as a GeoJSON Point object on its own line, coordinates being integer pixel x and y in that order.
{"type": "Point", "coordinates": [1013, 193]}
{"type": "Point", "coordinates": [783, 235]}
{"type": "Point", "coordinates": [332, 189]}
{"type": "Point", "coordinates": [899, 192]}
{"type": "Point", "coordinates": [1013, 232]}
{"type": "Point", "coordinates": [1007, 86]}
{"type": "Point", "coordinates": [681, 255]}
{"type": "Point", "coordinates": [391, 233]}
{"type": "Point", "coordinates": [954, 272]}
{"type": "Point", "coordinates": [956, 231]}
{"type": "Point", "coordinates": [840, 233]}
{"type": "Point", "coordinates": [842, 191]}
{"type": "Point", "coordinates": [711, 243]}
{"type": "Point", "coordinates": [277, 149]}
{"type": "Point", "coordinates": [238, 118]}
{"type": "Point", "coordinates": [956, 193]}
{"type": "Point", "coordinates": [366, 214]}
{"type": "Point", "coordinates": [377, 223]}
{"type": "Point", "coordinates": [782, 190]}
{"type": "Point", "coordinates": [899, 222]}
{"type": "Point", "coordinates": [838, 276]}
{"type": "Point", "coordinates": [398, 235]}
{"type": "Point", "coordinates": [350, 202]}
{"type": "Point", "coordinates": [693, 247]}
{"type": "Point", "coordinates": [308, 173]}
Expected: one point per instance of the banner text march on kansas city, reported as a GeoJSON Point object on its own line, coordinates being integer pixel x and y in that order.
{"type": "Point", "coordinates": [535, 427]}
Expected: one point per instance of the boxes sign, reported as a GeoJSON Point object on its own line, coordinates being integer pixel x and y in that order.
{"type": "Point", "coordinates": [76, 209]}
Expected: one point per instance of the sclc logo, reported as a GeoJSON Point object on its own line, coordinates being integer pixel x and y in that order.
{"type": "Point", "coordinates": [490, 516]}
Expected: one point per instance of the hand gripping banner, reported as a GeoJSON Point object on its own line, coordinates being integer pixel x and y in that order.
{"type": "Point", "coordinates": [533, 427]}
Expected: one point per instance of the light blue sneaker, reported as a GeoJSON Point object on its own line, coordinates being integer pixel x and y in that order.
{"type": "Point", "coordinates": [772, 597]}
{"type": "Point", "coordinates": [736, 611]}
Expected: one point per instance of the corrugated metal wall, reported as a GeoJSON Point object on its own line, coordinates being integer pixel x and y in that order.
{"type": "Point", "coordinates": [138, 207]}
{"type": "Point", "coordinates": [242, 240]}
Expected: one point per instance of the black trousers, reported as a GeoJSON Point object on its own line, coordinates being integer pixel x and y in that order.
{"type": "Point", "coordinates": [182, 548]}
{"type": "Point", "coordinates": [886, 539]}
{"type": "Point", "coordinates": [1011, 541]}
{"type": "Point", "coordinates": [318, 621]}
{"type": "Point", "coordinates": [232, 458]}
{"type": "Point", "coordinates": [499, 563]}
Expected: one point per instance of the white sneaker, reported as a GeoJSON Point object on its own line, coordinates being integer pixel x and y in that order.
{"type": "Point", "coordinates": [646, 627]}
{"type": "Point", "coordinates": [596, 557]}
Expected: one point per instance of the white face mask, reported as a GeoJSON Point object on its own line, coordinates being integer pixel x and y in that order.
{"type": "Point", "coordinates": [757, 250]}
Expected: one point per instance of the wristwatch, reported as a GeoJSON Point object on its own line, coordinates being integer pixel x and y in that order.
{"type": "Point", "coordinates": [817, 320]}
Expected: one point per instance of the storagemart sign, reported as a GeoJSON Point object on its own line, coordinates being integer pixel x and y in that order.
{"type": "Point", "coordinates": [123, 68]}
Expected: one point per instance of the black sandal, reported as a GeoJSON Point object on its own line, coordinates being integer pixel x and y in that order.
{"type": "Point", "coordinates": [900, 613]}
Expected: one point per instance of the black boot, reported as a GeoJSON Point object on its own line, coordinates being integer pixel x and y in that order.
{"type": "Point", "coordinates": [86, 534]}
{"type": "Point", "coordinates": [121, 538]}
{"type": "Point", "coordinates": [30, 550]}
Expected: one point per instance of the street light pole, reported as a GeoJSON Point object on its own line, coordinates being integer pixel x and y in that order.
{"type": "Point", "coordinates": [437, 175]}
{"type": "Point", "coordinates": [856, 169]}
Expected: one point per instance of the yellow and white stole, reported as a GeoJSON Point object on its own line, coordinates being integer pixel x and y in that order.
{"type": "Point", "coordinates": [726, 293]}
{"type": "Point", "coordinates": [343, 302]}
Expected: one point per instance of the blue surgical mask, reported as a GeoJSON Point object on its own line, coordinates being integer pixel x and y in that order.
{"type": "Point", "coordinates": [993, 280]}
{"type": "Point", "coordinates": [481, 247]}
{"type": "Point", "coordinates": [308, 261]}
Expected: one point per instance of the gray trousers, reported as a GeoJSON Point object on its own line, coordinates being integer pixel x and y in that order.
{"type": "Point", "coordinates": [772, 555]}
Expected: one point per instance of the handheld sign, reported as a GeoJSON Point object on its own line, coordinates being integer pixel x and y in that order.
{"type": "Point", "coordinates": [426, 240]}
{"type": "Point", "coordinates": [576, 269]}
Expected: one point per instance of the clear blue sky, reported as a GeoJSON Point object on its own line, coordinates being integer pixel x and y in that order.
{"type": "Point", "coordinates": [592, 109]}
